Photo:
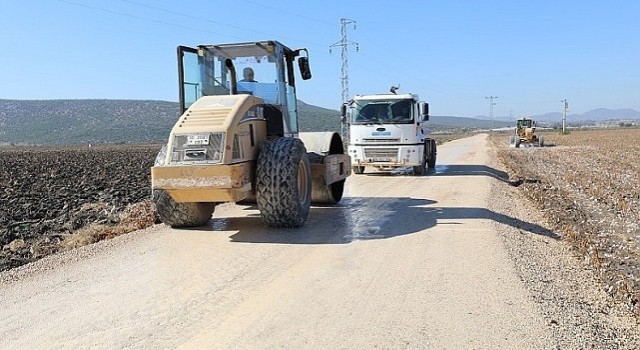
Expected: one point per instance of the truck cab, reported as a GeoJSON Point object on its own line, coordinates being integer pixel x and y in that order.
{"type": "Point", "coordinates": [388, 131]}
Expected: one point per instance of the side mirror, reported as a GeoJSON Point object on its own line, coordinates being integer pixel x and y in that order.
{"type": "Point", "coordinates": [343, 112]}
{"type": "Point", "coordinates": [424, 110]}
{"type": "Point", "coordinates": [305, 70]}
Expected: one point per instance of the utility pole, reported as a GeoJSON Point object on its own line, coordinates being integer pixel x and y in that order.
{"type": "Point", "coordinates": [344, 43]}
{"type": "Point", "coordinates": [565, 106]}
{"type": "Point", "coordinates": [491, 104]}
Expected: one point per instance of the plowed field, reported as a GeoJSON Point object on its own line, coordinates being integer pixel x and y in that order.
{"type": "Point", "coordinates": [588, 184]}
{"type": "Point", "coordinates": [54, 198]}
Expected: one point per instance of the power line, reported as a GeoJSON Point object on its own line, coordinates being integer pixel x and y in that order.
{"type": "Point", "coordinates": [203, 19]}
{"type": "Point", "coordinates": [288, 12]}
{"type": "Point", "coordinates": [189, 16]}
{"type": "Point", "coordinates": [143, 18]}
{"type": "Point", "coordinates": [344, 44]}
{"type": "Point", "coordinates": [207, 20]}
{"type": "Point", "coordinates": [185, 15]}
{"type": "Point", "coordinates": [231, 25]}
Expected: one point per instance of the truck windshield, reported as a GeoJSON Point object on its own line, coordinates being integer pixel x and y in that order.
{"type": "Point", "coordinates": [382, 112]}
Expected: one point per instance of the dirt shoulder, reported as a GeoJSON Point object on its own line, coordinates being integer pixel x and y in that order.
{"type": "Point", "coordinates": [586, 184]}
{"type": "Point", "coordinates": [569, 292]}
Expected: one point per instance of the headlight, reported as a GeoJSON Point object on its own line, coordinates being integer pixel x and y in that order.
{"type": "Point", "coordinates": [161, 156]}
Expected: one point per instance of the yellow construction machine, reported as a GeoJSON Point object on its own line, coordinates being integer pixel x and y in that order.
{"type": "Point", "coordinates": [525, 134]}
{"type": "Point", "coordinates": [237, 139]}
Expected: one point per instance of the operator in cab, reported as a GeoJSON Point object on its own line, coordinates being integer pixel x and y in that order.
{"type": "Point", "coordinates": [248, 75]}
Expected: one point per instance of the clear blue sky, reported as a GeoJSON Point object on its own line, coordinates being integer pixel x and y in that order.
{"type": "Point", "coordinates": [531, 54]}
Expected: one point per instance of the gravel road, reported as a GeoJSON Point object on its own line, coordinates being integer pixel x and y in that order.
{"type": "Point", "coordinates": [454, 260]}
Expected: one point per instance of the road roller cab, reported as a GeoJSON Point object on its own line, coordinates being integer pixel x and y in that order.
{"type": "Point", "coordinates": [237, 139]}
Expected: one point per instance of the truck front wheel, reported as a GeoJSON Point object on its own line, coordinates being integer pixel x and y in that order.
{"type": "Point", "coordinates": [431, 159]}
{"type": "Point", "coordinates": [283, 183]}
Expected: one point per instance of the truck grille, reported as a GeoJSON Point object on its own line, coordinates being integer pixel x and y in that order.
{"type": "Point", "coordinates": [381, 154]}
{"type": "Point", "coordinates": [381, 140]}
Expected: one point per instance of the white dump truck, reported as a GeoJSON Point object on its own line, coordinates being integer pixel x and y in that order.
{"type": "Point", "coordinates": [388, 131]}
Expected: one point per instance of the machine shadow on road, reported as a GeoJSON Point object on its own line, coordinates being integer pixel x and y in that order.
{"type": "Point", "coordinates": [471, 170]}
{"type": "Point", "coordinates": [451, 170]}
{"type": "Point", "coordinates": [370, 218]}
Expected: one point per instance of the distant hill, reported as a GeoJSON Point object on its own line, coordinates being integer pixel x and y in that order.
{"type": "Point", "coordinates": [141, 121]}
{"type": "Point", "coordinates": [450, 123]}
{"type": "Point", "coordinates": [608, 114]}
{"type": "Point", "coordinates": [112, 121]}
{"type": "Point", "coordinates": [314, 118]}
{"type": "Point", "coordinates": [596, 115]}
{"type": "Point", "coordinates": [85, 121]}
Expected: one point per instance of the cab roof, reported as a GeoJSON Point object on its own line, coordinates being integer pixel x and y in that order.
{"type": "Point", "coordinates": [382, 97]}
{"type": "Point", "coordinates": [247, 49]}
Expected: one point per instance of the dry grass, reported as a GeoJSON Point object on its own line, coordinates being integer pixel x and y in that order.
{"type": "Point", "coordinates": [587, 183]}
{"type": "Point", "coordinates": [134, 217]}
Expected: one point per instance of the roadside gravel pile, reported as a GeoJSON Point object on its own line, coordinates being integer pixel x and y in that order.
{"type": "Point", "coordinates": [587, 186]}
{"type": "Point", "coordinates": [55, 198]}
